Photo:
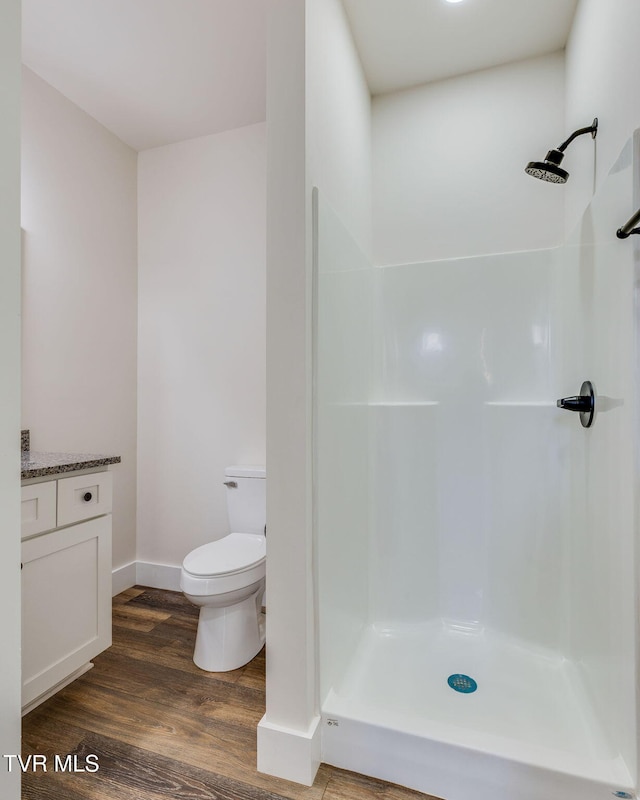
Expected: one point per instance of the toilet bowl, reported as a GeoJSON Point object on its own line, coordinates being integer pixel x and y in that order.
{"type": "Point", "coordinates": [226, 578]}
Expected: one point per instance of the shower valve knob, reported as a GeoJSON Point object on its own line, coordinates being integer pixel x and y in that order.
{"type": "Point", "coordinates": [576, 403]}
{"type": "Point", "coordinates": [584, 403]}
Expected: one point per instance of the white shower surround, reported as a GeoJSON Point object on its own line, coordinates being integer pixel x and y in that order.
{"type": "Point", "coordinates": [465, 524]}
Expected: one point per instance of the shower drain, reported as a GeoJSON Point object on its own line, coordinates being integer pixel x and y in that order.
{"type": "Point", "coordinates": [462, 683]}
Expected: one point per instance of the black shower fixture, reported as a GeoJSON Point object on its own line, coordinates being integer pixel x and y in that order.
{"type": "Point", "coordinates": [584, 403]}
{"type": "Point", "coordinates": [549, 169]}
{"type": "Point", "coordinates": [631, 226]}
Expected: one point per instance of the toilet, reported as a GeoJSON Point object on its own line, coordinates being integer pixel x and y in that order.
{"type": "Point", "coordinates": [226, 578]}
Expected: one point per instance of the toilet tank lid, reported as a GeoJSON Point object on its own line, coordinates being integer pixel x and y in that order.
{"type": "Point", "coordinates": [245, 472]}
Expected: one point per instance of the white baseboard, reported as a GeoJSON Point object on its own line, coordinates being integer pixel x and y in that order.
{"type": "Point", "coordinates": [157, 576]}
{"type": "Point", "coordinates": [123, 578]}
{"type": "Point", "coordinates": [287, 753]}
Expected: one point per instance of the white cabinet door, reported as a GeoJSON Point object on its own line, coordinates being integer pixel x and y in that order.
{"type": "Point", "coordinates": [66, 603]}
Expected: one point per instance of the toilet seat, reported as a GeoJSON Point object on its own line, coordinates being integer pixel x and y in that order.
{"type": "Point", "coordinates": [227, 565]}
{"type": "Point", "coordinates": [230, 555]}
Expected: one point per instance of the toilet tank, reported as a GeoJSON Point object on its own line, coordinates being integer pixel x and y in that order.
{"type": "Point", "coordinates": [247, 500]}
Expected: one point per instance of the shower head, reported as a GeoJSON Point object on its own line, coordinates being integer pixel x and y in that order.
{"type": "Point", "coordinates": [549, 170]}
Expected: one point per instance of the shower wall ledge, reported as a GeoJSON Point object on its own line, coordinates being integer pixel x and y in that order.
{"type": "Point", "coordinates": [521, 403]}
{"type": "Point", "coordinates": [418, 403]}
{"type": "Point", "coordinates": [385, 404]}
{"type": "Point", "coordinates": [408, 403]}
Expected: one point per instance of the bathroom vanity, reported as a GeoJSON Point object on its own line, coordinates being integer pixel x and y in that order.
{"type": "Point", "coordinates": [66, 568]}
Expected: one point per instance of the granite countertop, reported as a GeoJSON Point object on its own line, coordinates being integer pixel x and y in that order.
{"type": "Point", "coordinates": [35, 465]}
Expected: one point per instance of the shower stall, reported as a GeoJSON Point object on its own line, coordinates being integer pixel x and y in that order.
{"type": "Point", "coordinates": [475, 545]}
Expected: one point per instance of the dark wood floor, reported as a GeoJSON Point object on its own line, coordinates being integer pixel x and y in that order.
{"type": "Point", "coordinates": [162, 728]}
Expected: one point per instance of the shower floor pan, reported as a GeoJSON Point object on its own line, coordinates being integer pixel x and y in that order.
{"type": "Point", "coordinates": [526, 733]}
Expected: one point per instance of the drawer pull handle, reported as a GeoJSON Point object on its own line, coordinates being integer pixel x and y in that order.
{"type": "Point", "coordinates": [231, 484]}
{"type": "Point", "coordinates": [87, 496]}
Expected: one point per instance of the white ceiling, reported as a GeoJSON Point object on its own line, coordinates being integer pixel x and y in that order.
{"type": "Point", "coordinates": [153, 71]}
{"type": "Point", "coordinates": [160, 71]}
{"type": "Point", "coordinates": [404, 43]}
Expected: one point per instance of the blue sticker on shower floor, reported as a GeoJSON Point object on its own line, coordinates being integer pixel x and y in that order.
{"type": "Point", "coordinates": [462, 683]}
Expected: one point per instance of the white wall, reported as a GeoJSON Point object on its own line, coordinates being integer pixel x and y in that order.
{"type": "Point", "coordinates": [287, 733]}
{"type": "Point", "coordinates": [338, 119]}
{"type": "Point", "coordinates": [10, 391]}
{"type": "Point", "coordinates": [449, 159]}
{"type": "Point", "coordinates": [79, 291]}
{"type": "Point", "coordinates": [318, 118]}
{"type": "Point", "coordinates": [201, 335]}
{"type": "Point", "coordinates": [464, 387]}
{"type": "Point", "coordinates": [339, 164]}
{"type": "Point", "coordinates": [342, 521]}
{"type": "Point", "coordinates": [596, 337]}
{"type": "Point", "coordinates": [603, 75]}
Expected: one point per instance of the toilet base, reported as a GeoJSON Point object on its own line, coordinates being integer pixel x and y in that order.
{"type": "Point", "coordinates": [230, 636]}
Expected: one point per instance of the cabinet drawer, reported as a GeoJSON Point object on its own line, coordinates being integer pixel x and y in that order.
{"type": "Point", "coordinates": [83, 497]}
{"type": "Point", "coordinates": [38, 508]}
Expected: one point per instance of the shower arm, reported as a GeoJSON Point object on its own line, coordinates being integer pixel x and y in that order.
{"type": "Point", "coordinates": [629, 227]}
{"type": "Point", "coordinates": [592, 129]}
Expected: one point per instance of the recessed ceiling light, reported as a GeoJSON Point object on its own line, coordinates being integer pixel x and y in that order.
{"type": "Point", "coordinates": [454, 1]}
